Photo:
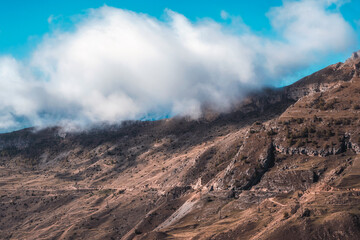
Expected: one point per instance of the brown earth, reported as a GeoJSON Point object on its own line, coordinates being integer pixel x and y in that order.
{"type": "Point", "coordinates": [284, 165]}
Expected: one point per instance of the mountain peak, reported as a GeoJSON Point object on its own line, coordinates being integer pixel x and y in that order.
{"type": "Point", "coordinates": [355, 57]}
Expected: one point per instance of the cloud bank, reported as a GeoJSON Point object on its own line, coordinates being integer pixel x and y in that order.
{"type": "Point", "coordinates": [118, 65]}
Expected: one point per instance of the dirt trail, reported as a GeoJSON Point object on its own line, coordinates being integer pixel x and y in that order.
{"type": "Point", "coordinates": [272, 200]}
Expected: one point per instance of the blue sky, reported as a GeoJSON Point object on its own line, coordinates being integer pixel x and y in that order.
{"type": "Point", "coordinates": [23, 22]}
{"type": "Point", "coordinates": [84, 62]}
{"type": "Point", "coordinates": [22, 19]}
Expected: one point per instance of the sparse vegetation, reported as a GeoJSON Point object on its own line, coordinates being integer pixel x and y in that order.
{"type": "Point", "coordinates": [129, 180]}
{"type": "Point", "coordinates": [271, 132]}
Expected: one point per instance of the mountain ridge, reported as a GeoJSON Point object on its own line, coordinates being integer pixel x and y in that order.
{"type": "Point", "coordinates": [283, 164]}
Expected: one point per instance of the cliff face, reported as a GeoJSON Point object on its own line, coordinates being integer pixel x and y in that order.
{"type": "Point", "coordinates": [283, 165]}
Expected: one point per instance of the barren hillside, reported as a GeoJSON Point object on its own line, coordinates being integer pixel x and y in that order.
{"type": "Point", "coordinates": [284, 165]}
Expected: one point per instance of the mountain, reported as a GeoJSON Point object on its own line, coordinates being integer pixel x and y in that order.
{"type": "Point", "coordinates": [283, 165]}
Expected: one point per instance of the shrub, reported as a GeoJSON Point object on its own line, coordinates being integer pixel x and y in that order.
{"type": "Point", "coordinates": [288, 134]}
{"type": "Point", "coordinates": [330, 104]}
{"type": "Point", "coordinates": [338, 122]}
{"type": "Point", "coordinates": [304, 133]}
{"type": "Point", "coordinates": [271, 132]}
{"type": "Point", "coordinates": [243, 157]}
{"type": "Point", "coordinates": [319, 103]}
{"type": "Point", "coordinates": [300, 120]}
{"type": "Point", "coordinates": [356, 107]}
{"type": "Point", "coordinates": [306, 213]}
{"type": "Point", "coordinates": [330, 133]}
{"type": "Point", "coordinates": [300, 143]}
{"type": "Point", "coordinates": [291, 141]}
{"type": "Point", "coordinates": [312, 129]}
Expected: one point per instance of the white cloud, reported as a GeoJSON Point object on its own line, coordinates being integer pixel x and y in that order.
{"type": "Point", "coordinates": [308, 31]}
{"type": "Point", "coordinates": [119, 65]}
{"type": "Point", "coordinates": [224, 15]}
{"type": "Point", "coordinates": [16, 89]}
{"type": "Point", "coordinates": [50, 18]}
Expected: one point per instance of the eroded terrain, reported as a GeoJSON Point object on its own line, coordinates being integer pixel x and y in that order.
{"type": "Point", "coordinates": [284, 164]}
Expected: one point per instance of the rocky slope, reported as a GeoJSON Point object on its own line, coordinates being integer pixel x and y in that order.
{"type": "Point", "coordinates": [283, 165]}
